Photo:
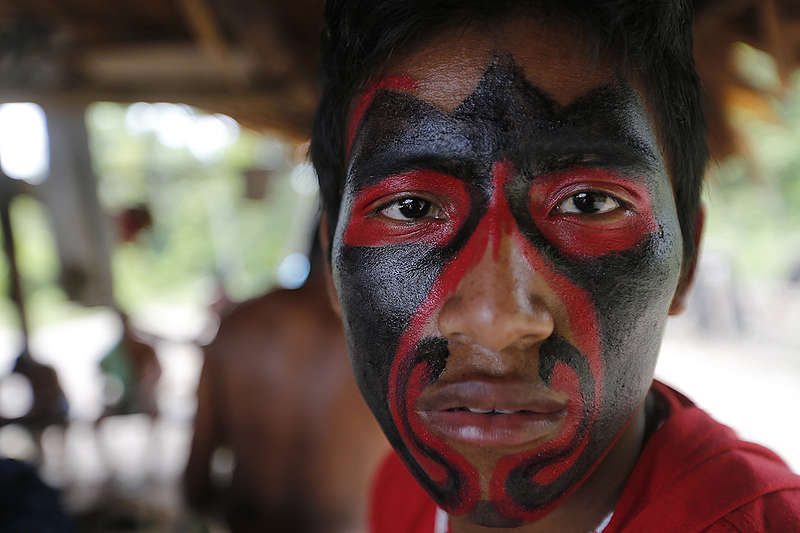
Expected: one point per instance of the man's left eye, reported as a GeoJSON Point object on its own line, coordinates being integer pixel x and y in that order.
{"type": "Point", "coordinates": [589, 203]}
{"type": "Point", "coordinates": [411, 208]}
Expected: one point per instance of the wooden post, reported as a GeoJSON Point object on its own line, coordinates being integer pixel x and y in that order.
{"type": "Point", "coordinates": [80, 227]}
{"type": "Point", "coordinates": [9, 249]}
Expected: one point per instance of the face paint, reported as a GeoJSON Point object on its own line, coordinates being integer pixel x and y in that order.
{"type": "Point", "coordinates": [397, 83]}
{"type": "Point", "coordinates": [428, 195]}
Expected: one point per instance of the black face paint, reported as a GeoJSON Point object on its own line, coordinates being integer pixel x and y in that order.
{"type": "Point", "coordinates": [500, 162]}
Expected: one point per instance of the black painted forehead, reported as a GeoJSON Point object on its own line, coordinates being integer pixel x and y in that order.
{"type": "Point", "coordinates": [506, 117]}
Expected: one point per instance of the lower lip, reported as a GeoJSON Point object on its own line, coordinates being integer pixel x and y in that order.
{"type": "Point", "coordinates": [494, 430]}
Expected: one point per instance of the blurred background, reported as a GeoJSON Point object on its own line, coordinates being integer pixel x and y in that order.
{"type": "Point", "coordinates": [168, 360]}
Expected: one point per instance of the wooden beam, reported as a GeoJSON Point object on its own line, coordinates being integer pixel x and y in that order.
{"type": "Point", "coordinates": [289, 109]}
{"type": "Point", "coordinates": [201, 19]}
{"type": "Point", "coordinates": [146, 65]}
{"type": "Point", "coordinates": [773, 37]}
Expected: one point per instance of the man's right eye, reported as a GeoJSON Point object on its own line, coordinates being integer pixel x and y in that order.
{"type": "Point", "coordinates": [411, 208]}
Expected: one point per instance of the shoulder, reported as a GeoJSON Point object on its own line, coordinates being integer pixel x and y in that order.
{"type": "Point", "coordinates": [269, 305]}
{"type": "Point", "coordinates": [776, 511]}
{"type": "Point", "coordinates": [397, 502]}
{"type": "Point", "coordinates": [279, 312]}
{"type": "Point", "coordinates": [695, 473]}
{"type": "Point", "coordinates": [252, 325]}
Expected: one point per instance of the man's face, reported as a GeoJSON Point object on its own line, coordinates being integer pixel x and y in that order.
{"type": "Point", "coordinates": [506, 253]}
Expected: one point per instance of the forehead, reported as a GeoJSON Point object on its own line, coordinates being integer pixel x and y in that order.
{"type": "Point", "coordinates": [555, 57]}
{"type": "Point", "coordinates": [534, 93]}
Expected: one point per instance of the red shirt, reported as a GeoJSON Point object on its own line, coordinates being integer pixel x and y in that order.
{"type": "Point", "coordinates": [693, 475]}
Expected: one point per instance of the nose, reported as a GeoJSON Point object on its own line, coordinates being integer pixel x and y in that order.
{"type": "Point", "coordinates": [498, 304]}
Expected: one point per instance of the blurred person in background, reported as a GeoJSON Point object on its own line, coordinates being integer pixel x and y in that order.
{"type": "Point", "coordinates": [49, 405]}
{"type": "Point", "coordinates": [131, 369]}
{"type": "Point", "coordinates": [131, 372]}
{"type": "Point", "coordinates": [277, 398]}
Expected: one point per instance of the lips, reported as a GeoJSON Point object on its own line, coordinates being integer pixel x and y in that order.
{"type": "Point", "coordinates": [492, 413]}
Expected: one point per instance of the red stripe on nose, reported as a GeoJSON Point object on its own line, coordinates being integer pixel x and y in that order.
{"type": "Point", "coordinates": [497, 224]}
{"type": "Point", "coordinates": [499, 219]}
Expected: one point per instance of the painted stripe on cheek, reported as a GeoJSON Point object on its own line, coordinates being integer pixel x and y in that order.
{"type": "Point", "coordinates": [407, 379]}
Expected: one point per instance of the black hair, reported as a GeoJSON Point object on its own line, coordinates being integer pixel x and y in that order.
{"type": "Point", "coordinates": [652, 40]}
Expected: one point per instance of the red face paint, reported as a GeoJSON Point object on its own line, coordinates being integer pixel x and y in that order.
{"type": "Point", "coordinates": [368, 228]}
{"type": "Point", "coordinates": [394, 83]}
{"type": "Point", "coordinates": [580, 235]}
{"type": "Point", "coordinates": [499, 176]}
{"type": "Point", "coordinates": [496, 224]}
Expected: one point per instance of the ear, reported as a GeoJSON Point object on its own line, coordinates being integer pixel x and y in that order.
{"type": "Point", "coordinates": [330, 288]}
{"type": "Point", "coordinates": [679, 300]}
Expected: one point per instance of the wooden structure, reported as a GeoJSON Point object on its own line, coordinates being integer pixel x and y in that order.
{"type": "Point", "coordinates": [252, 59]}
{"type": "Point", "coordinates": [256, 59]}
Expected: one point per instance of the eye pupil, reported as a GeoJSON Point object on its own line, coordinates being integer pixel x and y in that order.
{"type": "Point", "coordinates": [587, 202]}
{"type": "Point", "coordinates": [414, 207]}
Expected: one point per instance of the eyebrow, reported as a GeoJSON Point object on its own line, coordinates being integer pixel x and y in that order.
{"type": "Point", "coordinates": [559, 151]}
{"type": "Point", "coordinates": [573, 147]}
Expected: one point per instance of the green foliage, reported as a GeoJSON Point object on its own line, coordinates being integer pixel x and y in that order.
{"type": "Point", "coordinates": [37, 261]}
{"type": "Point", "coordinates": [203, 227]}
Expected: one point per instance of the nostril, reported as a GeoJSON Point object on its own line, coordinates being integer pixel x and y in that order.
{"type": "Point", "coordinates": [495, 325]}
{"type": "Point", "coordinates": [529, 341]}
{"type": "Point", "coordinates": [498, 303]}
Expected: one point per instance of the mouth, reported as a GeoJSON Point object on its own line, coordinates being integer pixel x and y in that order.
{"type": "Point", "coordinates": [493, 413]}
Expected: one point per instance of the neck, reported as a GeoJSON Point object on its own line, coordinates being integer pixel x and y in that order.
{"type": "Point", "coordinates": [586, 508]}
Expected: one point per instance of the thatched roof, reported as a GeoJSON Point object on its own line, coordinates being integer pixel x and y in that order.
{"type": "Point", "coordinates": [256, 59]}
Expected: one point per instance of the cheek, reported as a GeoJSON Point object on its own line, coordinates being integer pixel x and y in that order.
{"type": "Point", "coordinates": [634, 292]}
{"type": "Point", "coordinates": [390, 283]}
{"type": "Point", "coordinates": [379, 289]}
{"type": "Point", "coordinates": [577, 239]}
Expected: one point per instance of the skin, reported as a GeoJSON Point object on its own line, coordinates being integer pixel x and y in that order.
{"type": "Point", "coordinates": [304, 454]}
{"type": "Point", "coordinates": [507, 241]}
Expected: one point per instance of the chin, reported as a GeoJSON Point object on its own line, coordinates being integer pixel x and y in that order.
{"type": "Point", "coordinates": [486, 514]}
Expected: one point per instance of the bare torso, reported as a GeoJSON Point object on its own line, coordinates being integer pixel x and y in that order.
{"type": "Point", "coordinates": [277, 389]}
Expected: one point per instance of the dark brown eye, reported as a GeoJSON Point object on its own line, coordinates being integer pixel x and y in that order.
{"type": "Point", "coordinates": [411, 208]}
{"type": "Point", "coordinates": [414, 207]}
{"type": "Point", "coordinates": [589, 203]}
